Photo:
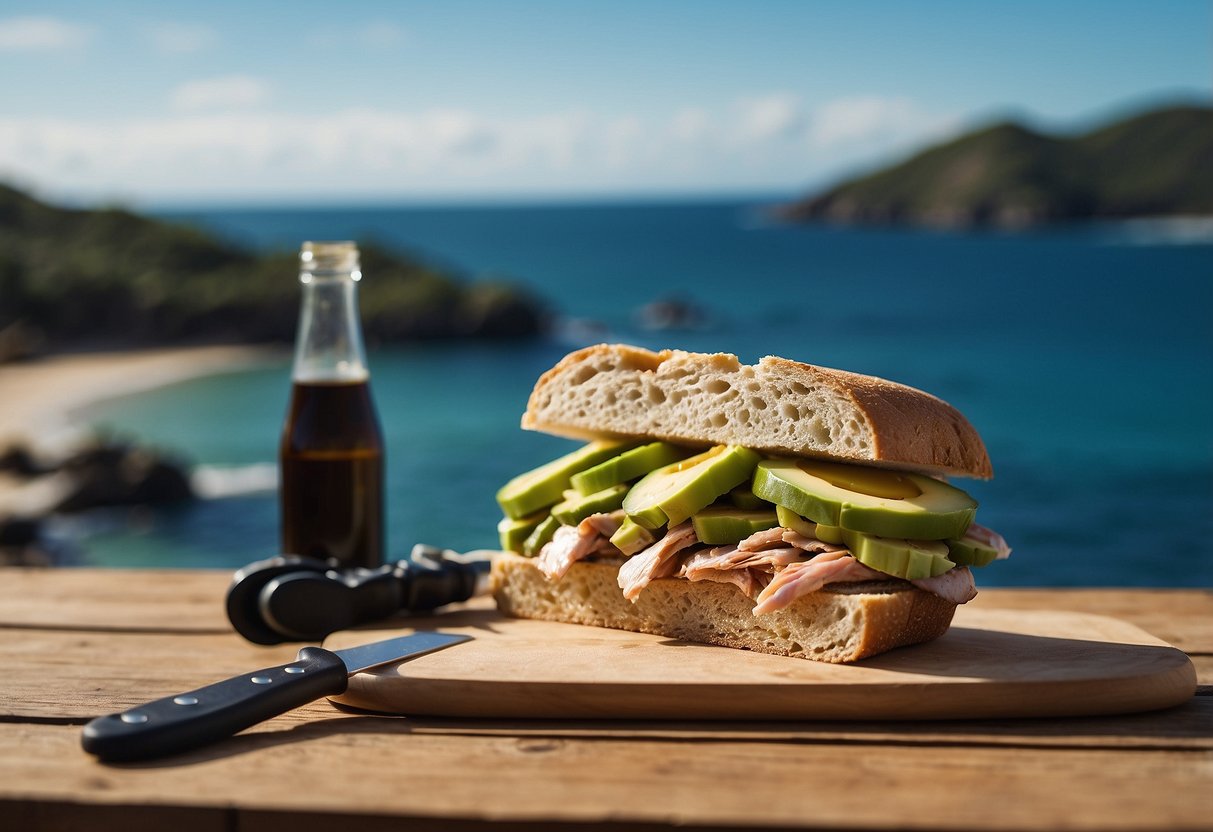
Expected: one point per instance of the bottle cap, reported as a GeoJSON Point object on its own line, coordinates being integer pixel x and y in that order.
{"type": "Point", "coordinates": [340, 257]}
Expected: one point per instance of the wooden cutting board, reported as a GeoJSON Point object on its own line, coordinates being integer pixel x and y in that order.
{"type": "Point", "coordinates": [991, 664]}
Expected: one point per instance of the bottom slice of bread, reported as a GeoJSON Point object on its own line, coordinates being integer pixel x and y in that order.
{"type": "Point", "coordinates": [840, 623]}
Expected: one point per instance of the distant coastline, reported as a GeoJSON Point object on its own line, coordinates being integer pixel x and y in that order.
{"type": "Point", "coordinates": [1153, 165]}
{"type": "Point", "coordinates": [82, 278]}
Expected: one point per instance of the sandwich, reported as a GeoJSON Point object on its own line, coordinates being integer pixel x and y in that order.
{"type": "Point", "coordinates": [778, 507]}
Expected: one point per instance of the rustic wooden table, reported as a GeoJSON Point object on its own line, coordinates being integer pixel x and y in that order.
{"type": "Point", "coordinates": [79, 643]}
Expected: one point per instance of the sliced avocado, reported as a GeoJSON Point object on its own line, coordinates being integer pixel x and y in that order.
{"type": "Point", "coordinates": [909, 559]}
{"type": "Point", "coordinates": [540, 537]}
{"type": "Point", "coordinates": [572, 510]}
{"type": "Point", "coordinates": [730, 525]}
{"type": "Point", "coordinates": [863, 499]}
{"type": "Point", "coordinates": [744, 498]}
{"type": "Point", "coordinates": [791, 520]}
{"type": "Point", "coordinates": [543, 486]}
{"type": "Point", "coordinates": [632, 537]}
{"type": "Point", "coordinates": [671, 494]}
{"type": "Point", "coordinates": [970, 551]}
{"type": "Point", "coordinates": [829, 534]}
{"type": "Point", "coordinates": [823, 532]}
{"type": "Point", "coordinates": [627, 466]}
{"type": "Point", "coordinates": [514, 532]}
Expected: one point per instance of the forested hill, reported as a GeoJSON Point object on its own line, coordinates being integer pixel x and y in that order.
{"type": "Point", "coordinates": [111, 277]}
{"type": "Point", "coordinates": [1007, 175]}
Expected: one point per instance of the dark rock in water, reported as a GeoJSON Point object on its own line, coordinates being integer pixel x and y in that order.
{"type": "Point", "coordinates": [123, 475]}
{"type": "Point", "coordinates": [19, 459]}
{"type": "Point", "coordinates": [496, 310]}
{"type": "Point", "coordinates": [670, 313]}
{"type": "Point", "coordinates": [22, 543]}
{"type": "Point", "coordinates": [19, 531]}
{"type": "Point", "coordinates": [105, 474]}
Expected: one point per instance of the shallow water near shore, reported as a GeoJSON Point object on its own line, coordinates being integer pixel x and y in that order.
{"type": "Point", "coordinates": [1083, 356]}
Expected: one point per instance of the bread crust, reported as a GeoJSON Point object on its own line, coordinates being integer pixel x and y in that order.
{"type": "Point", "coordinates": [777, 406]}
{"type": "Point", "coordinates": [840, 623]}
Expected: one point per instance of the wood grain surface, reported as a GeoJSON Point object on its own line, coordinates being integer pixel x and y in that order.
{"type": "Point", "coordinates": [77, 643]}
{"type": "Point", "coordinates": [381, 767]}
{"type": "Point", "coordinates": [162, 601]}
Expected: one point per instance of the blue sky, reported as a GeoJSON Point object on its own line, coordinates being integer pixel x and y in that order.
{"type": "Point", "coordinates": [259, 102]}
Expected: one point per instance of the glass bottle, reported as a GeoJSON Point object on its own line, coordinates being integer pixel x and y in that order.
{"type": "Point", "coordinates": [331, 455]}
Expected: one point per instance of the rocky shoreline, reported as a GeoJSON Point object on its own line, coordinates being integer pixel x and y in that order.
{"type": "Point", "coordinates": [100, 473]}
{"type": "Point", "coordinates": [52, 467]}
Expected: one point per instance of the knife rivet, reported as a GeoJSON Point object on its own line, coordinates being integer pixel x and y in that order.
{"type": "Point", "coordinates": [134, 718]}
{"type": "Point", "coordinates": [186, 700]}
{"type": "Point", "coordinates": [261, 680]}
{"type": "Point", "coordinates": [294, 669]}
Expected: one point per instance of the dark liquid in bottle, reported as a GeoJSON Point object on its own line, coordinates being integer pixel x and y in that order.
{"type": "Point", "coordinates": [331, 462]}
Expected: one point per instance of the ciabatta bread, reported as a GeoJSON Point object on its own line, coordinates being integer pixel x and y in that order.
{"type": "Point", "coordinates": [840, 623]}
{"type": "Point", "coordinates": [776, 406]}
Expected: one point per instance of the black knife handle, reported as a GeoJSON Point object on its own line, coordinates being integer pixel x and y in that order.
{"type": "Point", "coordinates": [188, 720]}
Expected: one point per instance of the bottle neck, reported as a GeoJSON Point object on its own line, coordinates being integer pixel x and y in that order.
{"type": "Point", "coordinates": [329, 347]}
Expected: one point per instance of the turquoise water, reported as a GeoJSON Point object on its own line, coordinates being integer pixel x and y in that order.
{"type": "Point", "coordinates": [1084, 357]}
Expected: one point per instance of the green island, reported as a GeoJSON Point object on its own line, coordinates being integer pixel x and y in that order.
{"type": "Point", "coordinates": [1155, 164]}
{"type": "Point", "coordinates": [112, 278]}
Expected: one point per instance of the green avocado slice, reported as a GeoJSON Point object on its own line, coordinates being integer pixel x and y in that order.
{"type": "Point", "coordinates": [872, 500]}
{"type": "Point", "coordinates": [627, 466]}
{"type": "Point", "coordinates": [671, 494]}
{"type": "Point", "coordinates": [791, 520]}
{"type": "Point", "coordinates": [829, 534]}
{"type": "Point", "coordinates": [514, 532]}
{"type": "Point", "coordinates": [909, 559]}
{"type": "Point", "coordinates": [969, 551]}
{"type": "Point", "coordinates": [544, 486]}
{"type": "Point", "coordinates": [540, 537]}
{"type": "Point", "coordinates": [576, 508]}
{"type": "Point", "coordinates": [632, 537]}
{"type": "Point", "coordinates": [744, 498]}
{"type": "Point", "coordinates": [730, 525]}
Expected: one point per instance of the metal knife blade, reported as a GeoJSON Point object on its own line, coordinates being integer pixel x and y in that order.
{"type": "Point", "coordinates": [365, 656]}
{"type": "Point", "coordinates": [198, 717]}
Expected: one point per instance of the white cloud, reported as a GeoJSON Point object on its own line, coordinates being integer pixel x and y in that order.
{"type": "Point", "coordinates": [230, 92]}
{"type": "Point", "coordinates": [35, 34]}
{"type": "Point", "coordinates": [217, 142]}
{"type": "Point", "coordinates": [169, 38]}
{"type": "Point", "coordinates": [777, 115]}
{"type": "Point", "coordinates": [867, 119]}
{"type": "Point", "coordinates": [690, 124]}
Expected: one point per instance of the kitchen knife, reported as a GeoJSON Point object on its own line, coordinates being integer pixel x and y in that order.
{"type": "Point", "coordinates": [197, 717]}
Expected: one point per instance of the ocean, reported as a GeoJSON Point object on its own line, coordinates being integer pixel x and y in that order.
{"type": "Point", "coordinates": [1083, 355]}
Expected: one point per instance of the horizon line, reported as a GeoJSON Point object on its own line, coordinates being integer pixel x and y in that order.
{"type": "Point", "coordinates": [464, 200]}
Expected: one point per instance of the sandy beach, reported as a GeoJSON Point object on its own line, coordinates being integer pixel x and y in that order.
{"type": "Point", "coordinates": [42, 401]}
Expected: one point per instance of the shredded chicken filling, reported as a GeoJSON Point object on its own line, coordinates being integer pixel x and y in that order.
{"type": "Point", "coordinates": [773, 567]}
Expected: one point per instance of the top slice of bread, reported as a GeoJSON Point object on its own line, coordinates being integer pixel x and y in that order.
{"type": "Point", "coordinates": [777, 406]}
